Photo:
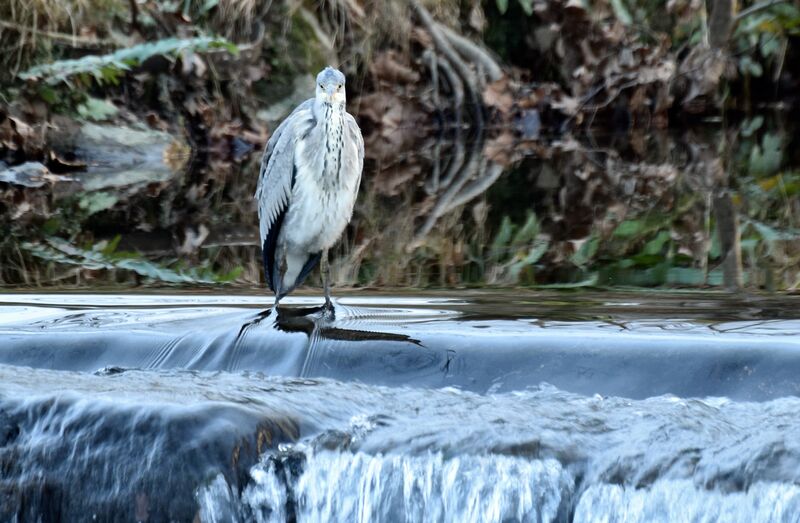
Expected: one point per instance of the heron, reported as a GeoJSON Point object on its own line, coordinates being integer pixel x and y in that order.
{"type": "Point", "coordinates": [307, 186]}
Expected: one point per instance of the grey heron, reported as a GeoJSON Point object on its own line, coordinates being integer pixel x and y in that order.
{"type": "Point", "coordinates": [307, 186]}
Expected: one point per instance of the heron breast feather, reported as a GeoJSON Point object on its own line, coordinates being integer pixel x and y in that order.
{"type": "Point", "coordinates": [318, 213]}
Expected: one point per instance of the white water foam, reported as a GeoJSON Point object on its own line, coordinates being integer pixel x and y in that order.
{"type": "Point", "coordinates": [680, 500]}
{"type": "Point", "coordinates": [358, 487]}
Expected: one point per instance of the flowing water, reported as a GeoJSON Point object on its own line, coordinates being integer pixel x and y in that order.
{"type": "Point", "coordinates": [455, 407]}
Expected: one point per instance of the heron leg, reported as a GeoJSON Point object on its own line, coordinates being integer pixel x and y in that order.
{"type": "Point", "coordinates": [326, 278]}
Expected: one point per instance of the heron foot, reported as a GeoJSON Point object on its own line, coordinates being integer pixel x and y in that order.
{"type": "Point", "coordinates": [328, 309]}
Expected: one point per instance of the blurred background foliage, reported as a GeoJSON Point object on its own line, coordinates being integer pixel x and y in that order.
{"type": "Point", "coordinates": [509, 142]}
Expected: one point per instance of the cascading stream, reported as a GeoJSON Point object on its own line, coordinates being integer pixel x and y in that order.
{"type": "Point", "coordinates": [236, 447]}
{"type": "Point", "coordinates": [346, 486]}
{"type": "Point", "coordinates": [179, 414]}
{"type": "Point", "coordinates": [476, 489]}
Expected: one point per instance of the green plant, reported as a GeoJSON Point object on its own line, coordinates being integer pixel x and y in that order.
{"type": "Point", "coordinates": [514, 250]}
{"type": "Point", "coordinates": [97, 109]}
{"type": "Point", "coordinates": [105, 256]}
{"type": "Point", "coordinates": [109, 68]}
{"type": "Point", "coordinates": [760, 38]}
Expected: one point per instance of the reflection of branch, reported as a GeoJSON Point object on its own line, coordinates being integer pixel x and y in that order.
{"type": "Point", "coordinates": [134, 15]}
{"type": "Point", "coordinates": [720, 24]}
{"type": "Point", "coordinates": [465, 181]}
{"type": "Point", "coordinates": [456, 86]}
{"type": "Point", "coordinates": [476, 54]}
{"type": "Point", "coordinates": [728, 230]}
{"type": "Point", "coordinates": [479, 186]}
{"type": "Point", "coordinates": [443, 203]}
{"type": "Point", "coordinates": [457, 56]}
{"type": "Point", "coordinates": [429, 57]}
{"type": "Point", "coordinates": [456, 163]}
{"type": "Point", "coordinates": [442, 43]}
{"type": "Point", "coordinates": [432, 183]}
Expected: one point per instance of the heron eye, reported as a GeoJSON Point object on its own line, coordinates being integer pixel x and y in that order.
{"type": "Point", "coordinates": [339, 86]}
{"type": "Point", "coordinates": [321, 86]}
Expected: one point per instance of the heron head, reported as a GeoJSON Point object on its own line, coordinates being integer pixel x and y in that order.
{"type": "Point", "coordinates": [330, 86]}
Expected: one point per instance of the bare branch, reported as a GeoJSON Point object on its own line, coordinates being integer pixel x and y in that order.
{"type": "Point", "coordinates": [474, 53]}
{"type": "Point", "coordinates": [73, 40]}
{"type": "Point", "coordinates": [755, 8]}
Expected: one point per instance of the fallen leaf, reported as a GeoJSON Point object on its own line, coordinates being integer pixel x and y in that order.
{"type": "Point", "coordinates": [498, 95]}
{"type": "Point", "coordinates": [500, 149]}
{"type": "Point", "coordinates": [567, 105]}
{"type": "Point", "coordinates": [390, 182]}
{"type": "Point", "coordinates": [389, 67]}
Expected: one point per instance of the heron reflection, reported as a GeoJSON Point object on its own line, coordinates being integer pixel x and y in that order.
{"type": "Point", "coordinates": [316, 321]}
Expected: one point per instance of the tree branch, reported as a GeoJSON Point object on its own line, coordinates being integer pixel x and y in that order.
{"type": "Point", "coordinates": [755, 8]}
{"type": "Point", "coordinates": [74, 40]}
{"type": "Point", "coordinates": [474, 52]}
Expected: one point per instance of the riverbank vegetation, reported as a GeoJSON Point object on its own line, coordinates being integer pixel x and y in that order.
{"type": "Point", "coordinates": [509, 142]}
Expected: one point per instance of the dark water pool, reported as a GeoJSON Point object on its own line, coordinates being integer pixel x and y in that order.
{"type": "Point", "coordinates": [471, 406]}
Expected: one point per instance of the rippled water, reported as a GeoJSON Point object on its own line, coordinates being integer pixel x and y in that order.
{"type": "Point", "coordinates": [546, 407]}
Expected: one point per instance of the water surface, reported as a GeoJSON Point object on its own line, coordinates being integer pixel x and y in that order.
{"type": "Point", "coordinates": [710, 206]}
{"type": "Point", "coordinates": [471, 406]}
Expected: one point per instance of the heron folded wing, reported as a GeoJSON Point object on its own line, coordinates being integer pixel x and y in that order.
{"type": "Point", "coordinates": [354, 156]}
{"type": "Point", "coordinates": [275, 182]}
{"type": "Point", "coordinates": [355, 130]}
{"type": "Point", "coordinates": [277, 166]}
{"type": "Point", "coordinates": [270, 230]}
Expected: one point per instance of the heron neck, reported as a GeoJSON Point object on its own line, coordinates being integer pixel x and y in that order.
{"type": "Point", "coordinates": [330, 122]}
{"type": "Point", "coordinates": [324, 113]}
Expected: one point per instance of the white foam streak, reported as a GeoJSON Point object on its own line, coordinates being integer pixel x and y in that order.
{"type": "Point", "coordinates": [680, 500]}
{"type": "Point", "coordinates": [358, 487]}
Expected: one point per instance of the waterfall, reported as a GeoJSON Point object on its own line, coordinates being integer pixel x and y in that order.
{"type": "Point", "coordinates": [358, 487]}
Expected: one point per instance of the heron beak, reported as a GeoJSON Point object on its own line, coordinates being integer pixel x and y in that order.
{"type": "Point", "coordinates": [330, 91]}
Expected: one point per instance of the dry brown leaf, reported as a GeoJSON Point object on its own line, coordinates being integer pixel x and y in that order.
{"type": "Point", "coordinates": [389, 66]}
{"type": "Point", "coordinates": [662, 72]}
{"type": "Point", "coordinates": [567, 105]}
{"type": "Point", "coordinates": [477, 19]}
{"type": "Point", "coordinates": [24, 130]}
{"type": "Point", "coordinates": [389, 112]}
{"type": "Point", "coordinates": [499, 96]}
{"type": "Point", "coordinates": [20, 209]}
{"type": "Point", "coordinates": [421, 37]}
{"type": "Point", "coordinates": [390, 182]}
{"type": "Point", "coordinates": [7, 135]}
{"type": "Point", "coordinates": [500, 149]}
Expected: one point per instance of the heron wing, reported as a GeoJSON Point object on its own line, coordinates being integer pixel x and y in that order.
{"type": "Point", "coordinates": [354, 151]}
{"type": "Point", "coordinates": [275, 182]}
